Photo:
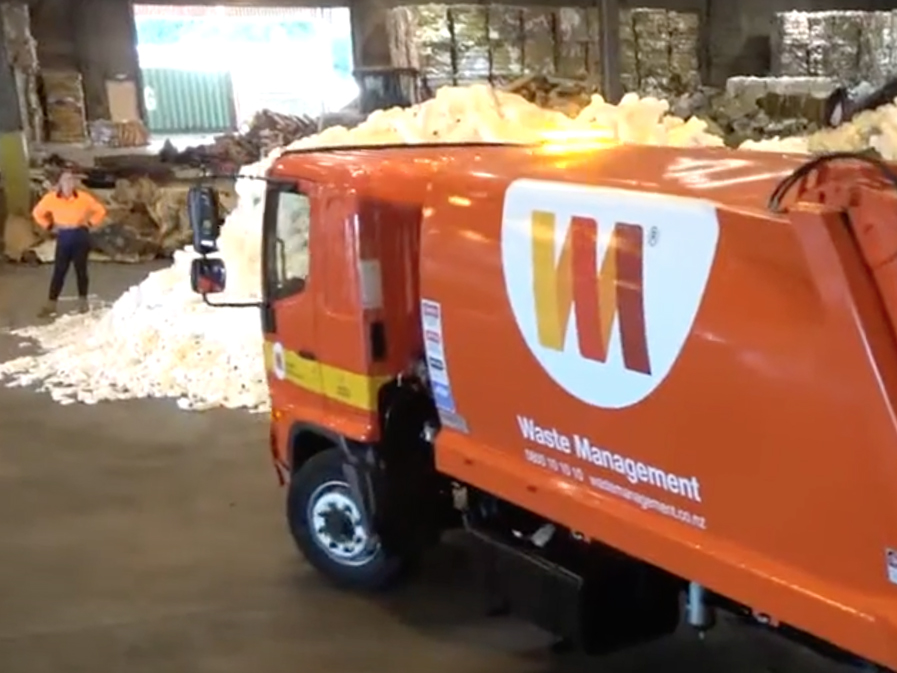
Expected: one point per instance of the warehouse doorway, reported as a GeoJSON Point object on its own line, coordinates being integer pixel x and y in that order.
{"type": "Point", "coordinates": [208, 70]}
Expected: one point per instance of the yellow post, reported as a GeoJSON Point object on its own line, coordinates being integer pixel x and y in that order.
{"type": "Point", "coordinates": [14, 170]}
{"type": "Point", "coordinates": [15, 173]}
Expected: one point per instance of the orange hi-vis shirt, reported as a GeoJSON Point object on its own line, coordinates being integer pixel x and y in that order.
{"type": "Point", "coordinates": [79, 210]}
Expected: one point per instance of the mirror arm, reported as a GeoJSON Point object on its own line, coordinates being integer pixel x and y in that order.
{"type": "Point", "coordinates": [225, 304]}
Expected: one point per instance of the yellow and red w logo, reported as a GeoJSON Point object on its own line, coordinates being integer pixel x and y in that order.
{"type": "Point", "coordinates": [574, 281]}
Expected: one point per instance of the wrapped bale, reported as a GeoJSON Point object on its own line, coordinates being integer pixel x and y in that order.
{"type": "Point", "coordinates": [469, 27]}
{"type": "Point", "coordinates": [843, 31]}
{"type": "Point", "coordinates": [652, 38]}
{"type": "Point", "coordinates": [818, 24]}
{"type": "Point", "coordinates": [538, 40]}
{"type": "Point", "coordinates": [683, 53]}
{"type": "Point", "coordinates": [573, 59]}
{"type": "Point", "coordinates": [65, 106]}
{"type": "Point", "coordinates": [420, 37]}
{"type": "Point", "coordinates": [878, 46]}
{"type": "Point", "coordinates": [790, 44]}
{"type": "Point", "coordinates": [505, 25]}
{"type": "Point", "coordinates": [845, 44]}
{"type": "Point", "coordinates": [572, 42]}
{"type": "Point", "coordinates": [572, 24]}
{"type": "Point", "coordinates": [795, 104]}
{"type": "Point", "coordinates": [431, 24]}
{"type": "Point", "coordinates": [755, 88]}
{"type": "Point", "coordinates": [834, 44]}
{"type": "Point", "coordinates": [593, 57]}
{"type": "Point", "coordinates": [629, 73]}
{"type": "Point", "coordinates": [659, 51]}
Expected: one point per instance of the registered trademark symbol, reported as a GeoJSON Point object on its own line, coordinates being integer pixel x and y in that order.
{"type": "Point", "coordinates": [653, 236]}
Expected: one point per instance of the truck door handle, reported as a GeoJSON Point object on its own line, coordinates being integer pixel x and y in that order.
{"type": "Point", "coordinates": [307, 355]}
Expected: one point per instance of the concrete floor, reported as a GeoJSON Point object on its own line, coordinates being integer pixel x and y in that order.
{"type": "Point", "coordinates": [134, 537]}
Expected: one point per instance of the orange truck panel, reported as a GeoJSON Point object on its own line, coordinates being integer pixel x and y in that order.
{"type": "Point", "coordinates": [628, 343]}
{"type": "Point", "coordinates": [683, 379]}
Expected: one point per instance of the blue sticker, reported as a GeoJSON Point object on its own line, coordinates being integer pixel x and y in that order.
{"type": "Point", "coordinates": [431, 319]}
{"type": "Point", "coordinates": [442, 394]}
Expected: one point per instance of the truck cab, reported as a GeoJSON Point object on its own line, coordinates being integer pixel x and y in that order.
{"type": "Point", "coordinates": [343, 350]}
{"type": "Point", "coordinates": [334, 329]}
{"type": "Point", "coordinates": [424, 377]}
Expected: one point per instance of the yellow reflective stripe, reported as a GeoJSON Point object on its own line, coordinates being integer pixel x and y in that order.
{"type": "Point", "coordinates": [351, 388]}
{"type": "Point", "coordinates": [268, 352]}
{"type": "Point", "coordinates": [356, 390]}
{"type": "Point", "coordinates": [303, 373]}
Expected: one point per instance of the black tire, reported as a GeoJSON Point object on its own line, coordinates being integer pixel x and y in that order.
{"type": "Point", "coordinates": [322, 476]}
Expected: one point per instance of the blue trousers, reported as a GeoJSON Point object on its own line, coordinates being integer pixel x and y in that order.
{"type": "Point", "coordinates": [72, 249]}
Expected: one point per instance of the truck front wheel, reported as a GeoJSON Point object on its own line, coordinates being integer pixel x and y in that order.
{"type": "Point", "coordinates": [327, 524]}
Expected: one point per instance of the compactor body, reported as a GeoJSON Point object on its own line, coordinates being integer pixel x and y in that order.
{"type": "Point", "coordinates": [625, 344]}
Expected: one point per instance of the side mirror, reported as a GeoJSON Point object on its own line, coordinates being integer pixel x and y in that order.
{"type": "Point", "coordinates": [837, 108]}
{"type": "Point", "coordinates": [208, 275]}
{"type": "Point", "coordinates": [205, 219]}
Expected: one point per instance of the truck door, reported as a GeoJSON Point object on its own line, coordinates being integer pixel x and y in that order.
{"type": "Point", "coordinates": [291, 289]}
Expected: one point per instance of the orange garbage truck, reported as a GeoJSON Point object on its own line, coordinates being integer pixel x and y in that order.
{"type": "Point", "coordinates": [649, 384]}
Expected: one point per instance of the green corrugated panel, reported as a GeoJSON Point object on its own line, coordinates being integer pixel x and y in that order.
{"type": "Point", "coordinates": [184, 101]}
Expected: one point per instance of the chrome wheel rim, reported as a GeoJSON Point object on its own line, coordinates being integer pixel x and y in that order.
{"type": "Point", "coordinates": [337, 525]}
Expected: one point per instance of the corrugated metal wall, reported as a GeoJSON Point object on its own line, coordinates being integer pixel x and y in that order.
{"type": "Point", "coordinates": [183, 101]}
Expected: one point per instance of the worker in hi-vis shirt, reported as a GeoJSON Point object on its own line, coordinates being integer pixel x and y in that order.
{"type": "Point", "coordinates": [70, 213]}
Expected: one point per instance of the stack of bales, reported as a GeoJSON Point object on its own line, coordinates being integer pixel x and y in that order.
{"type": "Point", "coordinates": [659, 51]}
{"type": "Point", "coordinates": [848, 46]}
{"type": "Point", "coordinates": [461, 44]}
{"type": "Point", "coordinates": [66, 113]}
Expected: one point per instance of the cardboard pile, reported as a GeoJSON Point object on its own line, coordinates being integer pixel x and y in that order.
{"type": "Point", "coordinates": [147, 218]}
{"type": "Point", "coordinates": [555, 93]}
{"type": "Point", "coordinates": [265, 131]}
{"type": "Point", "coordinates": [105, 133]}
{"type": "Point", "coordinates": [66, 114]}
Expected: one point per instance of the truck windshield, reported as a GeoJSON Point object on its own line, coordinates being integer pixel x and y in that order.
{"type": "Point", "coordinates": [287, 232]}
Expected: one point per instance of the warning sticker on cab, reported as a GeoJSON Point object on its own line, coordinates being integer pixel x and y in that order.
{"type": "Point", "coordinates": [431, 318]}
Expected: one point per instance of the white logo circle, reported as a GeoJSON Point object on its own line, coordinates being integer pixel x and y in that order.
{"type": "Point", "coordinates": [632, 267]}
{"type": "Point", "coordinates": [279, 361]}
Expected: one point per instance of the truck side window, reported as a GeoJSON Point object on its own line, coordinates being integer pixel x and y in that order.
{"type": "Point", "coordinates": [291, 242]}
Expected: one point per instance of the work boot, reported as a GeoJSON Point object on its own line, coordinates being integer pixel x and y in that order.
{"type": "Point", "coordinates": [83, 306]}
{"type": "Point", "coordinates": [47, 310]}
